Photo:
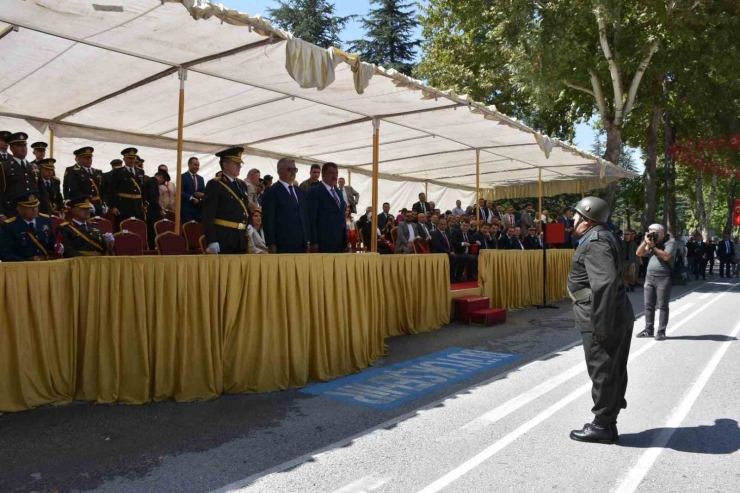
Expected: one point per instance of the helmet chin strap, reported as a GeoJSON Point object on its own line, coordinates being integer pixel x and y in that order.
{"type": "Point", "coordinates": [580, 220]}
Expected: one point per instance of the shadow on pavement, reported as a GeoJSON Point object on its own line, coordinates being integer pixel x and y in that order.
{"type": "Point", "coordinates": [721, 438]}
{"type": "Point", "coordinates": [706, 337]}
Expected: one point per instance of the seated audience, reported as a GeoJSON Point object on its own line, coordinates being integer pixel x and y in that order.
{"type": "Point", "coordinates": [424, 230]}
{"type": "Point", "coordinates": [462, 241]}
{"type": "Point", "coordinates": [511, 240]}
{"type": "Point", "coordinates": [484, 239]}
{"type": "Point", "coordinates": [441, 243]}
{"type": "Point", "coordinates": [81, 237]}
{"type": "Point", "coordinates": [532, 240]}
{"type": "Point", "coordinates": [257, 242]}
{"type": "Point", "coordinates": [405, 234]}
{"type": "Point", "coordinates": [27, 235]}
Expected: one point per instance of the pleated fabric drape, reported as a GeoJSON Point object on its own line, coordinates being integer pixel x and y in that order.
{"type": "Point", "coordinates": [139, 329]}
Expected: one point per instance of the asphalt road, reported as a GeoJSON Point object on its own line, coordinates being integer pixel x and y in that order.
{"type": "Point", "coordinates": [504, 429]}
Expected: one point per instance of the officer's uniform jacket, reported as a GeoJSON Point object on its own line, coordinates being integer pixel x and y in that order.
{"type": "Point", "coordinates": [127, 193]}
{"type": "Point", "coordinates": [226, 213]}
{"type": "Point", "coordinates": [594, 284]}
{"type": "Point", "coordinates": [18, 243]}
{"type": "Point", "coordinates": [15, 181]}
{"type": "Point", "coordinates": [54, 191]}
{"type": "Point", "coordinates": [79, 181]}
{"type": "Point", "coordinates": [78, 242]}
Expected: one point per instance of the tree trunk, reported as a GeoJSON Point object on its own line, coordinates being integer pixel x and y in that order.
{"type": "Point", "coordinates": [673, 226]}
{"type": "Point", "coordinates": [612, 154]}
{"type": "Point", "coordinates": [730, 206]}
{"type": "Point", "coordinates": [712, 197]}
{"type": "Point", "coordinates": [651, 164]}
{"type": "Point", "coordinates": [701, 211]}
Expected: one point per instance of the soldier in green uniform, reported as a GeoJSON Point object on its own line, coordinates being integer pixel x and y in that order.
{"type": "Point", "coordinates": [81, 237]}
{"type": "Point", "coordinates": [4, 138]}
{"type": "Point", "coordinates": [28, 235]}
{"type": "Point", "coordinates": [225, 208]}
{"type": "Point", "coordinates": [83, 179]}
{"type": "Point", "coordinates": [39, 153]}
{"type": "Point", "coordinates": [603, 314]}
{"type": "Point", "coordinates": [18, 177]}
{"type": "Point", "coordinates": [128, 185]}
{"type": "Point", "coordinates": [52, 185]}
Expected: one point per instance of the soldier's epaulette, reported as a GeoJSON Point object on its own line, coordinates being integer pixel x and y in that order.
{"type": "Point", "coordinates": [44, 215]}
{"type": "Point", "coordinates": [56, 178]}
{"type": "Point", "coordinates": [65, 223]}
{"type": "Point", "coordinates": [11, 219]}
{"type": "Point", "coordinates": [217, 178]}
{"type": "Point", "coordinates": [594, 236]}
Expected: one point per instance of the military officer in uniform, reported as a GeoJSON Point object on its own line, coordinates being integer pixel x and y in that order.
{"type": "Point", "coordinates": [52, 185]}
{"type": "Point", "coordinates": [603, 314]}
{"type": "Point", "coordinates": [4, 138]}
{"type": "Point", "coordinates": [39, 153]}
{"type": "Point", "coordinates": [128, 183]}
{"type": "Point", "coordinates": [225, 208]}
{"type": "Point", "coordinates": [28, 235]}
{"type": "Point", "coordinates": [83, 179]}
{"type": "Point", "coordinates": [18, 177]}
{"type": "Point", "coordinates": [108, 180]}
{"type": "Point", "coordinates": [81, 237]}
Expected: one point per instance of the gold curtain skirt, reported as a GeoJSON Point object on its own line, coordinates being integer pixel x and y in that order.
{"type": "Point", "coordinates": [513, 278]}
{"type": "Point", "coordinates": [139, 329]}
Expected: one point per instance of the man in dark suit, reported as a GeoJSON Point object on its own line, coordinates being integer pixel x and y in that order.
{"type": "Point", "coordinates": [108, 181]}
{"type": "Point", "coordinates": [422, 205]}
{"type": "Point", "coordinates": [326, 214]}
{"type": "Point", "coordinates": [52, 185]}
{"type": "Point", "coordinates": [82, 179]}
{"type": "Point", "coordinates": [708, 250]}
{"type": "Point", "coordinates": [485, 213]}
{"type": "Point", "coordinates": [484, 239]}
{"type": "Point", "coordinates": [192, 187]}
{"type": "Point", "coordinates": [512, 240]}
{"type": "Point", "coordinates": [18, 177]}
{"type": "Point", "coordinates": [441, 243]}
{"type": "Point", "coordinates": [568, 222]}
{"type": "Point", "coordinates": [532, 241]}
{"type": "Point", "coordinates": [384, 216]}
{"type": "Point", "coordinates": [225, 207]}
{"type": "Point", "coordinates": [462, 241]}
{"type": "Point", "coordinates": [284, 213]}
{"type": "Point", "coordinates": [127, 198]}
{"type": "Point", "coordinates": [154, 211]}
{"type": "Point", "coordinates": [726, 254]}
{"type": "Point", "coordinates": [314, 180]}
{"type": "Point", "coordinates": [693, 255]}
{"type": "Point", "coordinates": [424, 226]}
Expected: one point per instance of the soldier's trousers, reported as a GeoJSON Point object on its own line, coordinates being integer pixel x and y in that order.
{"type": "Point", "coordinates": [607, 366]}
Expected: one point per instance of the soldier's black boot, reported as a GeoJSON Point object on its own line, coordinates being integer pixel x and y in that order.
{"type": "Point", "coordinates": [593, 433]}
{"type": "Point", "coordinates": [660, 336]}
{"type": "Point", "coordinates": [645, 333]}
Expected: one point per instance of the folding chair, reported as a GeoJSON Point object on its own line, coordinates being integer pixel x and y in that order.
{"type": "Point", "coordinates": [163, 226]}
{"type": "Point", "coordinates": [192, 231]}
{"type": "Point", "coordinates": [127, 243]}
{"type": "Point", "coordinates": [104, 224]}
{"type": "Point", "coordinates": [169, 243]}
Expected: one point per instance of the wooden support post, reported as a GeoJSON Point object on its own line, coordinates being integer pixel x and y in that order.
{"type": "Point", "coordinates": [376, 172]}
{"type": "Point", "coordinates": [51, 142]}
{"type": "Point", "coordinates": [539, 188]}
{"type": "Point", "coordinates": [477, 187]}
{"type": "Point", "coordinates": [349, 177]}
{"type": "Point", "coordinates": [180, 117]}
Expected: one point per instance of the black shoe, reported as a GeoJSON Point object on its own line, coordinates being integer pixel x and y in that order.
{"type": "Point", "coordinates": [645, 333]}
{"type": "Point", "coordinates": [660, 336]}
{"type": "Point", "coordinates": [593, 433]}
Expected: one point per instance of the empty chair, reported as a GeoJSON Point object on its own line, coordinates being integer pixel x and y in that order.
{"type": "Point", "coordinates": [104, 224]}
{"type": "Point", "coordinates": [169, 243]}
{"type": "Point", "coordinates": [128, 243]}
{"type": "Point", "coordinates": [163, 226]}
{"type": "Point", "coordinates": [192, 231]}
{"type": "Point", "coordinates": [138, 227]}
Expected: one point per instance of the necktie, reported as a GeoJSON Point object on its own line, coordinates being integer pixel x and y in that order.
{"type": "Point", "coordinates": [292, 194]}
{"type": "Point", "coordinates": [336, 198]}
{"type": "Point", "coordinates": [32, 227]}
{"type": "Point", "coordinates": [84, 227]}
{"type": "Point", "coordinates": [446, 240]}
{"type": "Point", "coordinates": [195, 182]}
{"type": "Point", "coordinates": [23, 164]}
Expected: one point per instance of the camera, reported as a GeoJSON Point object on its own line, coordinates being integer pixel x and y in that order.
{"type": "Point", "coordinates": [653, 236]}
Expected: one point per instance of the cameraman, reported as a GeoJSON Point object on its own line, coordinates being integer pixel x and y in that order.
{"type": "Point", "coordinates": [661, 250]}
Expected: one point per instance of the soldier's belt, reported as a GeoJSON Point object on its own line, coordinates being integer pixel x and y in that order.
{"type": "Point", "coordinates": [89, 254]}
{"type": "Point", "coordinates": [129, 195]}
{"type": "Point", "coordinates": [229, 224]}
{"type": "Point", "coordinates": [95, 199]}
{"type": "Point", "coordinates": [580, 295]}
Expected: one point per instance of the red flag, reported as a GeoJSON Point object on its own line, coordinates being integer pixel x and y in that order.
{"type": "Point", "coordinates": [58, 250]}
{"type": "Point", "coordinates": [736, 213]}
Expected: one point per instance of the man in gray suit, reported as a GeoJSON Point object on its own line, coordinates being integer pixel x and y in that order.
{"type": "Point", "coordinates": [351, 197]}
{"type": "Point", "coordinates": [405, 234]}
{"type": "Point", "coordinates": [527, 217]}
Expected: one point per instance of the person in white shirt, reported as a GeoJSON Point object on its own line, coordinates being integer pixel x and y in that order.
{"type": "Point", "coordinates": [406, 233]}
{"type": "Point", "coordinates": [458, 210]}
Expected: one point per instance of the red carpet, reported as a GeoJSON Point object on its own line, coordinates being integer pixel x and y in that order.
{"type": "Point", "coordinates": [463, 285]}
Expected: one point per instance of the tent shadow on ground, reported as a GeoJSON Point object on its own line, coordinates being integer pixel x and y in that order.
{"type": "Point", "coordinates": [706, 337]}
{"type": "Point", "coordinates": [721, 438]}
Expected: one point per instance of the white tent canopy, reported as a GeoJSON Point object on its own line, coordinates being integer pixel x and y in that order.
{"type": "Point", "coordinates": [109, 71]}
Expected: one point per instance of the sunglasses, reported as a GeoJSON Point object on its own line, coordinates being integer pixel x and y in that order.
{"type": "Point", "coordinates": [292, 170]}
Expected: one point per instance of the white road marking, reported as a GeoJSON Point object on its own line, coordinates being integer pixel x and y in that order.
{"type": "Point", "coordinates": [496, 447]}
{"type": "Point", "coordinates": [648, 458]}
{"type": "Point", "coordinates": [363, 485]}
{"type": "Point", "coordinates": [517, 402]}
{"type": "Point", "coordinates": [706, 295]}
{"type": "Point", "coordinates": [243, 483]}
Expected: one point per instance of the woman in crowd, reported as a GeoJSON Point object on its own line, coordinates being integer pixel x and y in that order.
{"type": "Point", "coordinates": [351, 230]}
{"type": "Point", "coordinates": [167, 196]}
{"type": "Point", "coordinates": [257, 234]}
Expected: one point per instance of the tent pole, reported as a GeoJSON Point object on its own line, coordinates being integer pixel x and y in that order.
{"type": "Point", "coordinates": [180, 114]}
{"type": "Point", "coordinates": [539, 188]}
{"type": "Point", "coordinates": [349, 177]}
{"type": "Point", "coordinates": [51, 142]}
{"type": "Point", "coordinates": [477, 188]}
{"type": "Point", "coordinates": [376, 166]}
{"type": "Point", "coordinates": [543, 229]}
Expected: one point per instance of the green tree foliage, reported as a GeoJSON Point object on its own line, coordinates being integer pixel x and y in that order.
{"type": "Point", "coordinates": [389, 36]}
{"type": "Point", "coordinates": [311, 20]}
